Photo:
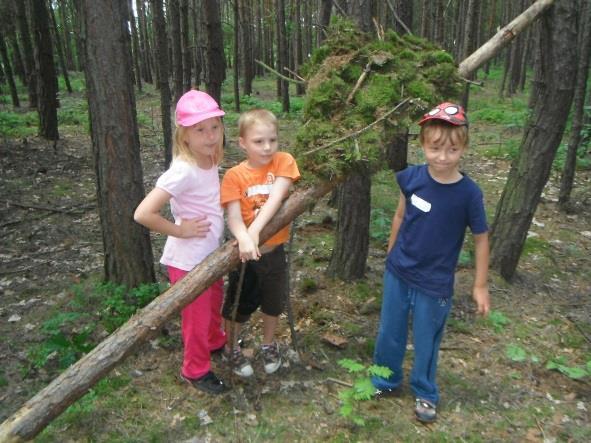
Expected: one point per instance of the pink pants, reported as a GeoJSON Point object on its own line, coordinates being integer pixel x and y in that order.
{"type": "Point", "coordinates": [201, 325]}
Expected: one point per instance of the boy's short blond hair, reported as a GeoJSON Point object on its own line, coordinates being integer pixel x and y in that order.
{"type": "Point", "coordinates": [249, 118]}
{"type": "Point", "coordinates": [439, 131]}
{"type": "Point", "coordinates": [181, 150]}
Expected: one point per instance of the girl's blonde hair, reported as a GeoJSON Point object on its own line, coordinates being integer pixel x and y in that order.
{"type": "Point", "coordinates": [181, 150]}
{"type": "Point", "coordinates": [438, 131]}
{"type": "Point", "coordinates": [250, 118]}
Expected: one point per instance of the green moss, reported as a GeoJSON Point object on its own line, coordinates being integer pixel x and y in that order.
{"type": "Point", "coordinates": [400, 69]}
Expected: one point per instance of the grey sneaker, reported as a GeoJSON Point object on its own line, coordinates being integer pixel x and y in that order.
{"type": "Point", "coordinates": [425, 411]}
{"type": "Point", "coordinates": [271, 357]}
{"type": "Point", "coordinates": [240, 364]}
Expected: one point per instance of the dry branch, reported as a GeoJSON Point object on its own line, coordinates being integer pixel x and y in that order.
{"type": "Point", "coordinates": [502, 38]}
{"type": "Point", "coordinates": [75, 381]}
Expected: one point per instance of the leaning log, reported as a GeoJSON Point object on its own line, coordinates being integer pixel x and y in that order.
{"type": "Point", "coordinates": [75, 381]}
{"type": "Point", "coordinates": [502, 38]}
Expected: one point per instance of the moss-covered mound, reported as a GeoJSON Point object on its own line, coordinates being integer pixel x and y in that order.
{"type": "Point", "coordinates": [407, 73]}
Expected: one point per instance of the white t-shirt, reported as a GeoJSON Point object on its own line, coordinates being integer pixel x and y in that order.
{"type": "Point", "coordinates": [195, 192]}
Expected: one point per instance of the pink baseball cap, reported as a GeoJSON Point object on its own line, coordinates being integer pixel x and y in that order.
{"type": "Point", "coordinates": [194, 107]}
{"type": "Point", "coordinates": [448, 112]}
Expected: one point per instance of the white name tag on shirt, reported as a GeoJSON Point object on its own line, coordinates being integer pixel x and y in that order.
{"type": "Point", "coordinates": [418, 202]}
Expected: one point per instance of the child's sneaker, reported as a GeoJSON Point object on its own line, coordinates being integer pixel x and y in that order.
{"type": "Point", "coordinates": [240, 364]}
{"type": "Point", "coordinates": [271, 357]}
{"type": "Point", "coordinates": [208, 383]}
{"type": "Point", "coordinates": [425, 411]}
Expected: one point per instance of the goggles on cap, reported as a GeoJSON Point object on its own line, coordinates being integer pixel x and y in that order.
{"type": "Point", "coordinates": [447, 112]}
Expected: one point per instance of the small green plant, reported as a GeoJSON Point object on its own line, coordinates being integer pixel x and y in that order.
{"type": "Point", "coordinates": [380, 225]}
{"type": "Point", "coordinates": [497, 320]}
{"type": "Point", "coordinates": [65, 341]}
{"type": "Point", "coordinates": [119, 304]}
{"type": "Point", "coordinates": [517, 354]}
{"type": "Point", "coordinates": [309, 285]}
{"type": "Point", "coordinates": [574, 372]}
{"type": "Point", "coordinates": [362, 388]}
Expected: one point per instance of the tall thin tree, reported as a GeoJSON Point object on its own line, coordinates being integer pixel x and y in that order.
{"type": "Point", "coordinates": [47, 79]}
{"type": "Point", "coordinates": [216, 63]}
{"type": "Point", "coordinates": [584, 50]}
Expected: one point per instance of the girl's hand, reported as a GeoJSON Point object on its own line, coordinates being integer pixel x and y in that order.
{"type": "Point", "coordinates": [194, 227]}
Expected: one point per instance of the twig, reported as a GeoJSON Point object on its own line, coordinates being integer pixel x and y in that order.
{"type": "Point", "coordinates": [585, 336]}
{"type": "Point", "coordinates": [360, 131]}
{"type": "Point", "coordinates": [295, 74]}
{"type": "Point", "coordinates": [397, 18]}
{"type": "Point", "coordinates": [46, 208]}
{"type": "Point", "coordinates": [278, 74]}
{"type": "Point", "coordinates": [339, 382]}
{"type": "Point", "coordinates": [473, 82]}
{"type": "Point", "coordinates": [541, 429]}
{"type": "Point", "coordinates": [360, 81]}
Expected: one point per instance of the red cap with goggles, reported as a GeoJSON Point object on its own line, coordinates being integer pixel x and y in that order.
{"type": "Point", "coordinates": [447, 112]}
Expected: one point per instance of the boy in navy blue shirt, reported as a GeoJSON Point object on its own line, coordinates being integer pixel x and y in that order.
{"type": "Point", "coordinates": [437, 203]}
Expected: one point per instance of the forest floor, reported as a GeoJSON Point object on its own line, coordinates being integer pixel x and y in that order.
{"type": "Point", "coordinates": [493, 374]}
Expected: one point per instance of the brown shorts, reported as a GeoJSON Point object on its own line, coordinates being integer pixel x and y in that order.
{"type": "Point", "coordinates": [264, 285]}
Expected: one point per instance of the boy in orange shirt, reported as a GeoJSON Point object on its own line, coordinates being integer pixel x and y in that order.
{"type": "Point", "coordinates": [252, 192]}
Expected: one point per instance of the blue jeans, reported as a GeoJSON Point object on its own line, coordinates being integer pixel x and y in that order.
{"type": "Point", "coordinates": [429, 317]}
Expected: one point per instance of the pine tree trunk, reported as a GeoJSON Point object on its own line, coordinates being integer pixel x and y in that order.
{"type": "Point", "coordinates": [60, 52]}
{"type": "Point", "coordinates": [349, 255]}
{"type": "Point", "coordinates": [584, 53]}
{"type": "Point", "coordinates": [115, 143]}
{"type": "Point", "coordinates": [66, 33]}
{"type": "Point", "coordinates": [236, 55]}
{"type": "Point", "coordinates": [197, 43]}
{"type": "Point", "coordinates": [161, 47]}
{"type": "Point", "coordinates": [25, 35]}
{"type": "Point", "coordinates": [175, 39]}
{"type": "Point", "coordinates": [543, 133]}
{"type": "Point", "coordinates": [299, 58]}
{"type": "Point", "coordinates": [246, 28]}
{"type": "Point", "coordinates": [8, 72]}
{"type": "Point", "coordinates": [137, 75]}
{"type": "Point", "coordinates": [216, 72]}
{"type": "Point", "coordinates": [282, 55]}
{"type": "Point", "coordinates": [323, 19]}
{"type": "Point", "coordinates": [47, 80]}
{"type": "Point", "coordinates": [186, 53]}
{"type": "Point", "coordinates": [404, 10]}
{"type": "Point", "coordinates": [144, 41]}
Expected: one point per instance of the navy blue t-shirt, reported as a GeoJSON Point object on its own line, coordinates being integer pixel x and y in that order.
{"type": "Point", "coordinates": [432, 231]}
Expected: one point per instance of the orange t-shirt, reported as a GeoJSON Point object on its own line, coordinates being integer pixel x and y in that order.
{"type": "Point", "coordinates": [253, 186]}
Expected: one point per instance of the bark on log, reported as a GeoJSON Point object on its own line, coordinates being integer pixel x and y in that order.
{"type": "Point", "coordinates": [502, 38]}
{"type": "Point", "coordinates": [75, 381]}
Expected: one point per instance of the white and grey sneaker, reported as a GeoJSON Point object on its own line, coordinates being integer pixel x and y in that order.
{"type": "Point", "coordinates": [240, 364]}
{"type": "Point", "coordinates": [271, 357]}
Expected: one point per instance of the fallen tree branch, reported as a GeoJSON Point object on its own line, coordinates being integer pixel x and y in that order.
{"type": "Point", "coordinates": [75, 381]}
{"type": "Point", "coordinates": [278, 74]}
{"type": "Point", "coordinates": [49, 208]}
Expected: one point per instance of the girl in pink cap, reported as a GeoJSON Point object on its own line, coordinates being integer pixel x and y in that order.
{"type": "Point", "coordinates": [192, 187]}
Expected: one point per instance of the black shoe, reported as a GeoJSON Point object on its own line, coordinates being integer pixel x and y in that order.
{"type": "Point", "coordinates": [209, 383]}
{"type": "Point", "coordinates": [387, 393]}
